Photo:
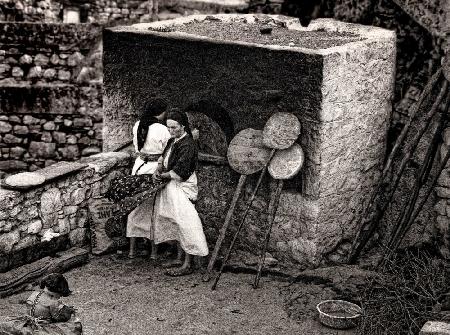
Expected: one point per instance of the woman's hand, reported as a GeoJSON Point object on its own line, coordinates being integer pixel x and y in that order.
{"type": "Point", "coordinates": [165, 175]}
{"type": "Point", "coordinates": [156, 176]}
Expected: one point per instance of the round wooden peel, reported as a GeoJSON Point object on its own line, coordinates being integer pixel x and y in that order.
{"type": "Point", "coordinates": [247, 153]}
{"type": "Point", "coordinates": [281, 131]}
{"type": "Point", "coordinates": [286, 163]}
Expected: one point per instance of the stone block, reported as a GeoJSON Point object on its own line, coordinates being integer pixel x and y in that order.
{"type": "Point", "coordinates": [50, 73]}
{"type": "Point", "coordinates": [14, 119]}
{"type": "Point", "coordinates": [28, 119]}
{"type": "Point", "coordinates": [64, 225]}
{"type": "Point", "coordinates": [12, 165]}
{"type": "Point", "coordinates": [75, 59]}
{"type": "Point", "coordinates": [64, 75]}
{"type": "Point", "coordinates": [8, 240]}
{"type": "Point", "coordinates": [26, 59]}
{"type": "Point", "coordinates": [435, 328]}
{"type": "Point", "coordinates": [17, 152]}
{"type": "Point", "coordinates": [90, 151]}
{"type": "Point", "coordinates": [78, 237]}
{"type": "Point", "coordinates": [59, 137]}
{"type": "Point", "coordinates": [26, 241]}
{"type": "Point", "coordinates": [34, 227]}
{"type": "Point", "coordinates": [20, 130]}
{"type": "Point", "coordinates": [54, 59]}
{"type": "Point", "coordinates": [4, 70]}
{"type": "Point", "coordinates": [78, 196]}
{"type": "Point", "coordinates": [82, 122]}
{"type": "Point", "coordinates": [5, 127]}
{"type": "Point", "coordinates": [441, 207]}
{"type": "Point", "coordinates": [70, 152]}
{"type": "Point", "coordinates": [443, 192]}
{"type": "Point", "coordinates": [50, 205]}
{"type": "Point", "coordinates": [41, 60]}
{"type": "Point", "coordinates": [35, 72]}
{"type": "Point", "coordinates": [17, 72]}
{"type": "Point", "coordinates": [72, 139]}
{"type": "Point", "coordinates": [46, 137]}
{"type": "Point", "coordinates": [69, 210]}
{"type": "Point", "coordinates": [11, 139]}
{"type": "Point", "coordinates": [41, 149]}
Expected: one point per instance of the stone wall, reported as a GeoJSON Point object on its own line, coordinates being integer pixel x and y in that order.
{"type": "Point", "coordinates": [59, 206]}
{"type": "Point", "coordinates": [50, 84]}
{"type": "Point", "coordinates": [49, 53]}
{"type": "Point", "coordinates": [43, 124]}
{"type": "Point", "coordinates": [113, 12]}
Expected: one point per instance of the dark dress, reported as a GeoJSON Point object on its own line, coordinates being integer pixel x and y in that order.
{"type": "Point", "coordinates": [47, 315]}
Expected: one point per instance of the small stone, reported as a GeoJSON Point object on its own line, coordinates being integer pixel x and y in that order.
{"type": "Point", "coordinates": [7, 241]}
{"type": "Point", "coordinates": [35, 72]}
{"type": "Point", "coordinates": [11, 139]}
{"type": "Point", "coordinates": [77, 237]}
{"type": "Point", "coordinates": [50, 73]}
{"type": "Point", "coordinates": [75, 59]}
{"type": "Point", "coordinates": [90, 151]}
{"type": "Point", "coordinates": [77, 196]}
{"type": "Point", "coordinates": [17, 72]}
{"type": "Point", "coordinates": [20, 130]}
{"type": "Point", "coordinates": [68, 123]}
{"type": "Point", "coordinates": [59, 137]}
{"type": "Point", "coordinates": [70, 152]}
{"type": "Point", "coordinates": [82, 122]}
{"type": "Point", "coordinates": [97, 115]}
{"type": "Point", "coordinates": [41, 60]}
{"type": "Point", "coordinates": [54, 59]}
{"type": "Point", "coordinates": [34, 227]}
{"type": "Point", "coordinates": [51, 201]}
{"type": "Point", "coordinates": [72, 139]}
{"type": "Point", "coordinates": [446, 136]}
{"type": "Point", "coordinates": [5, 127]}
{"type": "Point", "coordinates": [41, 149]}
{"type": "Point", "coordinates": [46, 137]}
{"type": "Point", "coordinates": [26, 59]}
{"type": "Point", "coordinates": [84, 140]}
{"type": "Point", "coordinates": [64, 75]}
{"type": "Point", "coordinates": [50, 125]}
{"type": "Point", "coordinates": [28, 119]}
{"type": "Point", "coordinates": [17, 152]}
{"type": "Point", "coordinates": [68, 210]}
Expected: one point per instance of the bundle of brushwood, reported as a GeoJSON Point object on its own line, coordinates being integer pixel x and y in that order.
{"type": "Point", "coordinates": [431, 115]}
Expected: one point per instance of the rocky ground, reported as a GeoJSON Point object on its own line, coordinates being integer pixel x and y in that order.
{"type": "Point", "coordinates": [121, 296]}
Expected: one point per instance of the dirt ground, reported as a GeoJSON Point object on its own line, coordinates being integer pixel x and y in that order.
{"type": "Point", "coordinates": [119, 296]}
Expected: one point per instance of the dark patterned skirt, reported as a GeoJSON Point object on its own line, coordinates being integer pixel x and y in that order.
{"type": "Point", "coordinates": [127, 193]}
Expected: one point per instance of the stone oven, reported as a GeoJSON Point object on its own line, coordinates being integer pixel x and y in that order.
{"type": "Point", "coordinates": [337, 78]}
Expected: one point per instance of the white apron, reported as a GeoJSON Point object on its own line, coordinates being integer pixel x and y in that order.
{"type": "Point", "coordinates": [139, 222]}
{"type": "Point", "coordinates": [175, 216]}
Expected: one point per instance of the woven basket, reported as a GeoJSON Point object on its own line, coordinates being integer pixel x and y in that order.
{"type": "Point", "coordinates": [339, 314]}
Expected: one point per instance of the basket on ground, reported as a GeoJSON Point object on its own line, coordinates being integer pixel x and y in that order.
{"type": "Point", "coordinates": [339, 314]}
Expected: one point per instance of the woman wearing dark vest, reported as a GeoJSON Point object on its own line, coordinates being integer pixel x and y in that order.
{"type": "Point", "coordinates": [175, 216]}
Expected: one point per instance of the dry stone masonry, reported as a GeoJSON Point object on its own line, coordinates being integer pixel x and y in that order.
{"type": "Point", "coordinates": [59, 206]}
{"type": "Point", "coordinates": [340, 88]}
{"type": "Point", "coordinates": [43, 124]}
